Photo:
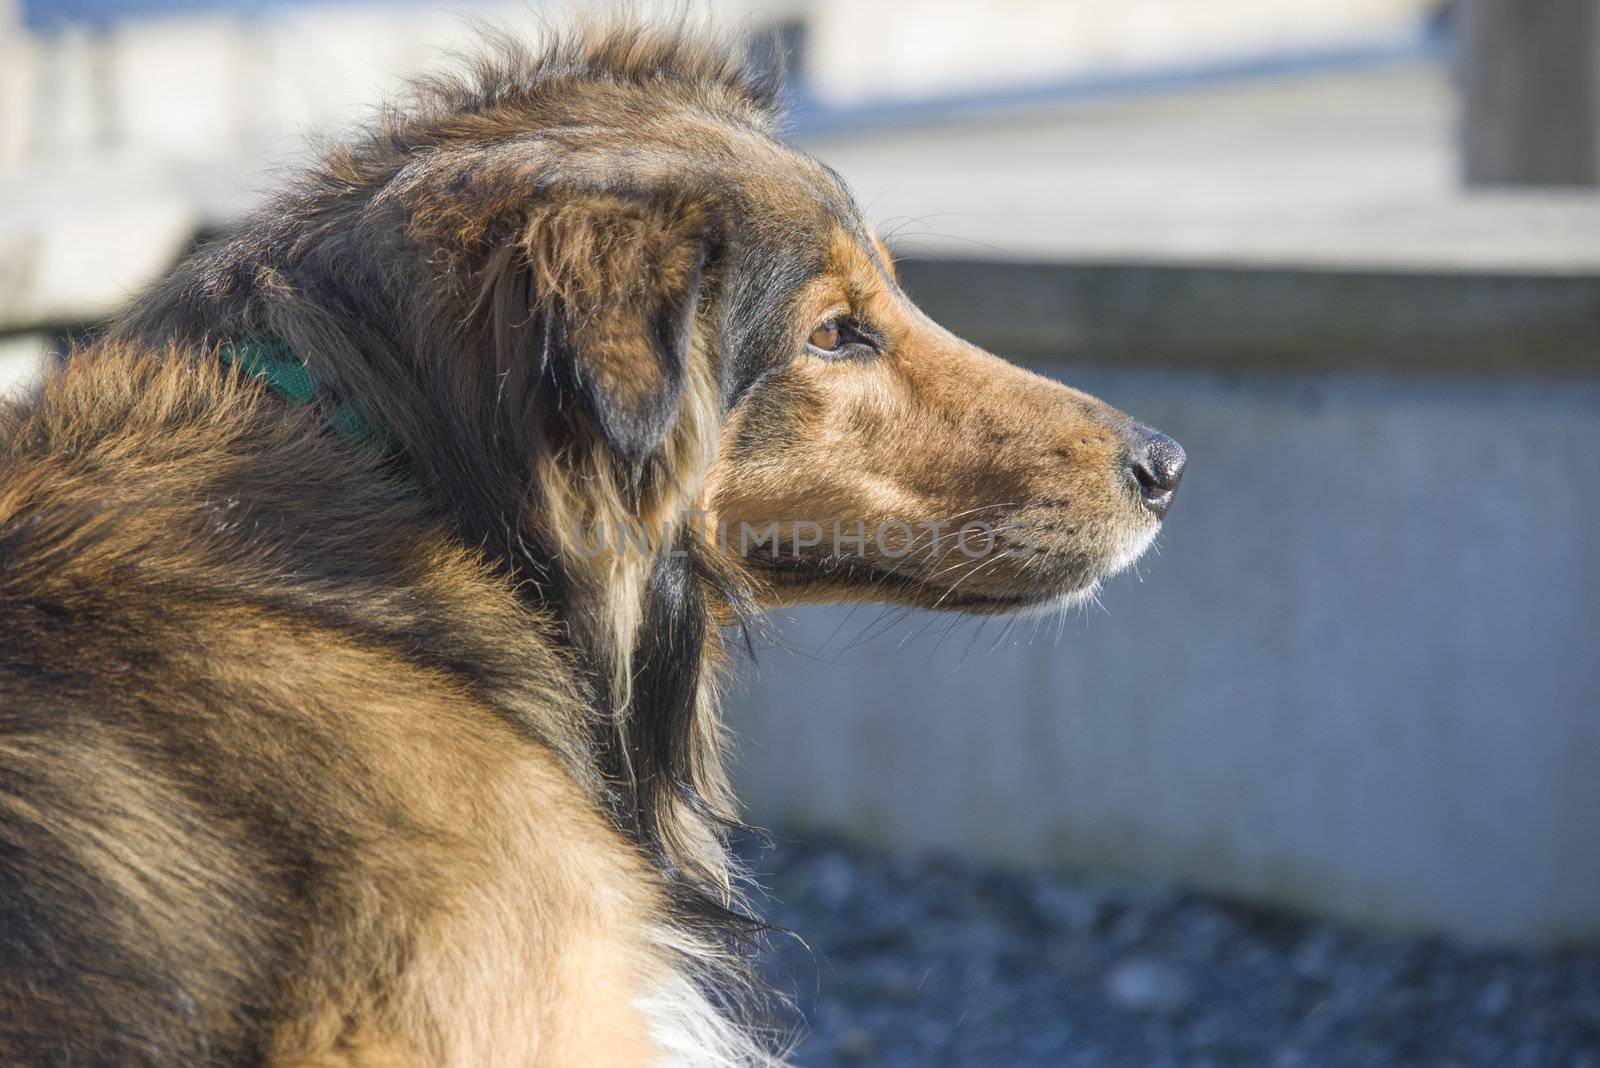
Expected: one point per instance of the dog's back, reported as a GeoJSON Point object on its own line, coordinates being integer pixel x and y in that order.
{"type": "Point", "coordinates": [131, 913]}
{"type": "Point", "coordinates": [234, 809]}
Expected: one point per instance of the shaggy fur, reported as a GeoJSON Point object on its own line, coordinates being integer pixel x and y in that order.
{"type": "Point", "coordinates": [320, 752]}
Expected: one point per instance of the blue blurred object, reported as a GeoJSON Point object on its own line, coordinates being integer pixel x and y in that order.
{"type": "Point", "coordinates": [46, 15]}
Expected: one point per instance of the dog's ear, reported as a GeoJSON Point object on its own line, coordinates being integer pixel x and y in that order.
{"type": "Point", "coordinates": [598, 299]}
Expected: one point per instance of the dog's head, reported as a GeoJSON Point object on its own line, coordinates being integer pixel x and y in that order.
{"type": "Point", "coordinates": [872, 455]}
{"type": "Point", "coordinates": [646, 360]}
{"type": "Point", "coordinates": [694, 317]}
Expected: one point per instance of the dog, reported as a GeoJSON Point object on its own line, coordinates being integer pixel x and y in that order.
{"type": "Point", "coordinates": [365, 587]}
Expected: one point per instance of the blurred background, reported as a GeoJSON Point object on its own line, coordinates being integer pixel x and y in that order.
{"type": "Point", "coordinates": [1319, 784]}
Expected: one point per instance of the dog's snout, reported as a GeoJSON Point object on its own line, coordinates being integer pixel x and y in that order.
{"type": "Point", "coordinates": [1156, 463]}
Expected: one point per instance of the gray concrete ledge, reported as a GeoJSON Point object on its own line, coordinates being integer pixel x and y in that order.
{"type": "Point", "coordinates": [1258, 318]}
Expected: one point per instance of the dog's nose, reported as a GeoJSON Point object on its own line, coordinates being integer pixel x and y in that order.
{"type": "Point", "coordinates": [1156, 463]}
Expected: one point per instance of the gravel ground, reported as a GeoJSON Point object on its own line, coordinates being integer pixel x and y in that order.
{"type": "Point", "coordinates": [928, 962]}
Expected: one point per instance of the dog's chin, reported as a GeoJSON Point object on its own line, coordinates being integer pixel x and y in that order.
{"type": "Point", "coordinates": [1134, 545]}
{"type": "Point", "coordinates": [1043, 600]}
{"type": "Point", "coordinates": [1052, 590]}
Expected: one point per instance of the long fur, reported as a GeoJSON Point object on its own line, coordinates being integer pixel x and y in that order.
{"type": "Point", "coordinates": [448, 276]}
{"type": "Point", "coordinates": [319, 267]}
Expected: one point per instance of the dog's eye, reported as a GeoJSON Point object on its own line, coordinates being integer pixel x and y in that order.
{"type": "Point", "coordinates": [827, 337]}
{"type": "Point", "coordinates": [842, 339]}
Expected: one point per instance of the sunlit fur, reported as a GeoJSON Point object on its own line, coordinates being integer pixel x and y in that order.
{"type": "Point", "coordinates": [318, 752]}
{"type": "Point", "coordinates": [934, 433]}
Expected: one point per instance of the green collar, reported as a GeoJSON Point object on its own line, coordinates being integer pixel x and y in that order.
{"type": "Point", "coordinates": [270, 360]}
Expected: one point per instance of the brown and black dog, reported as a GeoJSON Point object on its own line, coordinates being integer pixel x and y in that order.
{"type": "Point", "coordinates": [334, 728]}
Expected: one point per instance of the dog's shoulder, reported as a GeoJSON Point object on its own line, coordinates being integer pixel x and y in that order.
{"type": "Point", "coordinates": [247, 691]}
{"type": "Point", "coordinates": [167, 522]}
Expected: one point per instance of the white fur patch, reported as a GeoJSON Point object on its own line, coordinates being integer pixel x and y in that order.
{"type": "Point", "coordinates": [1133, 547]}
{"type": "Point", "coordinates": [693, 1033]}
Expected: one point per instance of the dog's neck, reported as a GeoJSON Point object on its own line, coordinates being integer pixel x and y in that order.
{"type": "Point", "coordinates": [645, 626]}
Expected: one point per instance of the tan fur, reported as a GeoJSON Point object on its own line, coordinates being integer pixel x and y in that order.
{"type": "Point", "coordinates": [500, 876]}
{"type": "Point", "coordinates": [934, 436]}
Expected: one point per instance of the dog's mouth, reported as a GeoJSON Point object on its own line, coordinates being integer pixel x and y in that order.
{"type": "Point", "coordinates": [1008, 580]}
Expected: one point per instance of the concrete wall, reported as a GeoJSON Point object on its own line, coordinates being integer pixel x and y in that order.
{"type": "Point", "coordinates": [1359, 676]}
